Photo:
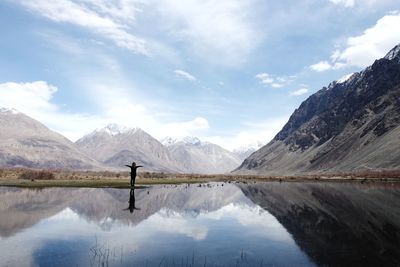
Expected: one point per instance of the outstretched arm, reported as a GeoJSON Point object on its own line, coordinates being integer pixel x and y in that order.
{"type": "Point", "coordinates": [139, 166]}
{"type": "Point", "coordinates": [128, 166]}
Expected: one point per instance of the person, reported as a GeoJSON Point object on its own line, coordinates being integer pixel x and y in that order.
{"type": "Point", "coordinates": [132, 206]}
{"type": "Point", "coordinates": [133, 172]}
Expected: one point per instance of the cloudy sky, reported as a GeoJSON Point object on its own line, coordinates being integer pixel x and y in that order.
{"type": "Point", "coordinates": [227, 71]}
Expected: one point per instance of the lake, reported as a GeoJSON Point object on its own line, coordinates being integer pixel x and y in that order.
{"type": "Point", "coordinates": [215, 224]}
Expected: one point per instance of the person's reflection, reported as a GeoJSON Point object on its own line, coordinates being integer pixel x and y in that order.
{"type": "Point", "coordinates": [132, 206]}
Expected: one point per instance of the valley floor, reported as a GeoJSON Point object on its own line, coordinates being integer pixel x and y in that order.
{"type": "Point", "coordinates": [61, 178]}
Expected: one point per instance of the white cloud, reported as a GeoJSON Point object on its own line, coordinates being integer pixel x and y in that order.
{"type": "Point", "coordinates": [374, 43]}
{"type": "Point", "coordinates": [124, 105]}
{"type": "Point", "coordinates": [111, 21]}
{"type": "Point", "coordinates": [172, 222]}
{"type": "Point", "coordinates": [188, 128]}
{"type": "Point", "coordinates": [362, 50]}
{"type": "Point", "coordinates": [255, 132]}
{"type": "Point", "coordinates": [27, 97]}
{"type": "Point", "coordinates": [301, 91]}
{"type": "Point", "coordinates": [219, 31]}
{"type": "Point", "coordinates": [321, 66]}
{"type": "Point", "coordinates": [273, 80]}
{"type": "Point", "coordinates": [222, 32]}
{"type": "Point", "coordinates": [346, 3]}
{"type": "Point", "coordinates": [253, 216]}
{"type": "Point", "coordinates": [362, 3]}
{"type": "Point", "coordinates": [35, 99]}
{"type": "Point", "coordinates": [265, 78]}
{"type": "Point", "coordinates": [185, 75]}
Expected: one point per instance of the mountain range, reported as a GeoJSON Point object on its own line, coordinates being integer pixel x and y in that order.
{"type": "Point", "coordinates": [25, 142]}
{"type": "Point", "coordinates": [351, 125]}
{"type": "Point", "coordinates": [116, 146]}
{"type": "Point", "coordinates": [196, 156]}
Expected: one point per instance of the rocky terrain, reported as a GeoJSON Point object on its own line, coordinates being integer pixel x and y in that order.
{"type": "Point", "coordinates": [196, 156]}
{"type": "Point", "coordinates": [25, 142]}
{"type": "Point", "coordinates": [351, 125]}
{"type": "Point", "coordinates": [116, 146]}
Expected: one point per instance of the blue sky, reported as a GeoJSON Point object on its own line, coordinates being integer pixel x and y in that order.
{"type": "Point", "coordinates": [227, 71]}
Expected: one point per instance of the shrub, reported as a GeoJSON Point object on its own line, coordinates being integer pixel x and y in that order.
{"type": "Point", "coordinates": [36, 175]}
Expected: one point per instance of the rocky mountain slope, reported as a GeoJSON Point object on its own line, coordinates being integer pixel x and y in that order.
{"type": "Point", "coordinates": [116, 146]}
{"type": "Point", "coordinates": [196, 156]}
{"type": "Point", "coordinates": [25, 142]}
{"type": "Point", "coordinates": [352, 125]}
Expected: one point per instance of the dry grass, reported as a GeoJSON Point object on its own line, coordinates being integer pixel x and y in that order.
{"type": "Point", "coordinates": [51, 178]}
{"type": "Point", "coordinates": [36, 175]}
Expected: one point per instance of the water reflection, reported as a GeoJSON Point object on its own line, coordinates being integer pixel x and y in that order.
{"type": "Point", "coordinates": [262, 224]}
{"type": "Point", "coordinates": [132, 201]}
{"type": "Point", "coordinates": [337, 224]}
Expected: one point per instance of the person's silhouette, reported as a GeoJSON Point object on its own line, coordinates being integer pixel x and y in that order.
{"type": "Point", "coordinates": [132, 200]}
{"type": "Point", "coordinates": [133, 172]}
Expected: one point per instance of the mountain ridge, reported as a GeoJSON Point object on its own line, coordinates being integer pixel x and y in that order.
{"type": "Point", "coordinates": [348, 126]}
{"type": "Point", "coordinates": [25, 142]}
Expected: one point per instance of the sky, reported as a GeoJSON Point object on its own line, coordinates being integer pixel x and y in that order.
{"type": "Point", "coordinates": [230, 72]}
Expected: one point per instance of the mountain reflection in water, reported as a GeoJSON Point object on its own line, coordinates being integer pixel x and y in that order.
{"type": "Point", "coordinates": [337, 224]}
{"type": "Point", "coordinates": [263, 224]}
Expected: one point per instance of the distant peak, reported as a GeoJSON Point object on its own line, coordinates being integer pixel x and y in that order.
{"type": "Point", "coordinates": [9, 110]}
{"type": "Point", "coordinates": [252, 146]}
{"type": "Point", "coordinates": [115, 129]}
{"type": "Point", "coordinates": [393, 53]}
{"type": "Point", "coordinates": [189, 140]}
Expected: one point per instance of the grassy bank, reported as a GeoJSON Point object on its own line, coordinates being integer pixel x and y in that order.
{"type": "Point", "coordinates": [61, 178]}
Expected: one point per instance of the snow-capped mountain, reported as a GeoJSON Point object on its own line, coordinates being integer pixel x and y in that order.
{"type": "Point", "coordinates": [196, 156]}
{"type": "Point", "coordinates": [114, 129]}
{"type": "Point", "coordinates": [116, 145]}
{"type": "Point", "coordinates": [244, 151]}
{"type": "Point", "coordinates": [189, 140]}
{"type": "Point", "coordinates": [26, 142]}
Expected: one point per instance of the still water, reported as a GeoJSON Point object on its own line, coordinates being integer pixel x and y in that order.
{"type": "Point", "coordinates": [260, 224]}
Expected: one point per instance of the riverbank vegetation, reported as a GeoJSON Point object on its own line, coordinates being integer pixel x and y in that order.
{"type": "Point", "coordinates": [23, 177]}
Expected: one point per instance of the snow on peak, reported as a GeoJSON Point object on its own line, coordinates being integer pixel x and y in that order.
{"type": "Point", "coordinates": [189, 140]}
{"type": "Point", "coordinates": [168, 141]}
{"type": "Point", "coordinates": [253, 146]}
{"type": "Point", "coordinates": [9, 110]}
{"type": "Point", "coordinates": [115, 129]}
{"type": "Point", "coordinates": [345, 78]}
{"type": "Point", "coordinates": [393, 53]}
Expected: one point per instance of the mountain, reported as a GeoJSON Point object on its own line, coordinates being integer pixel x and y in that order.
{"type": "Point", "coordinates": [201, 157]}
{"type": "Point", "coordinates": [352, 125]}
{"type": "Point", "coordinates": [25, 142]}
{"type": "Point", "coordinates": [116, 146]}
{"type": "Point", "coordinates": [245, 151]}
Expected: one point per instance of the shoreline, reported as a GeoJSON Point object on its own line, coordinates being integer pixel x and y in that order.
{"type": "Point", "coordinates": [125, 183]}
{"type": "Point", "coordinates": [34, 178]}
